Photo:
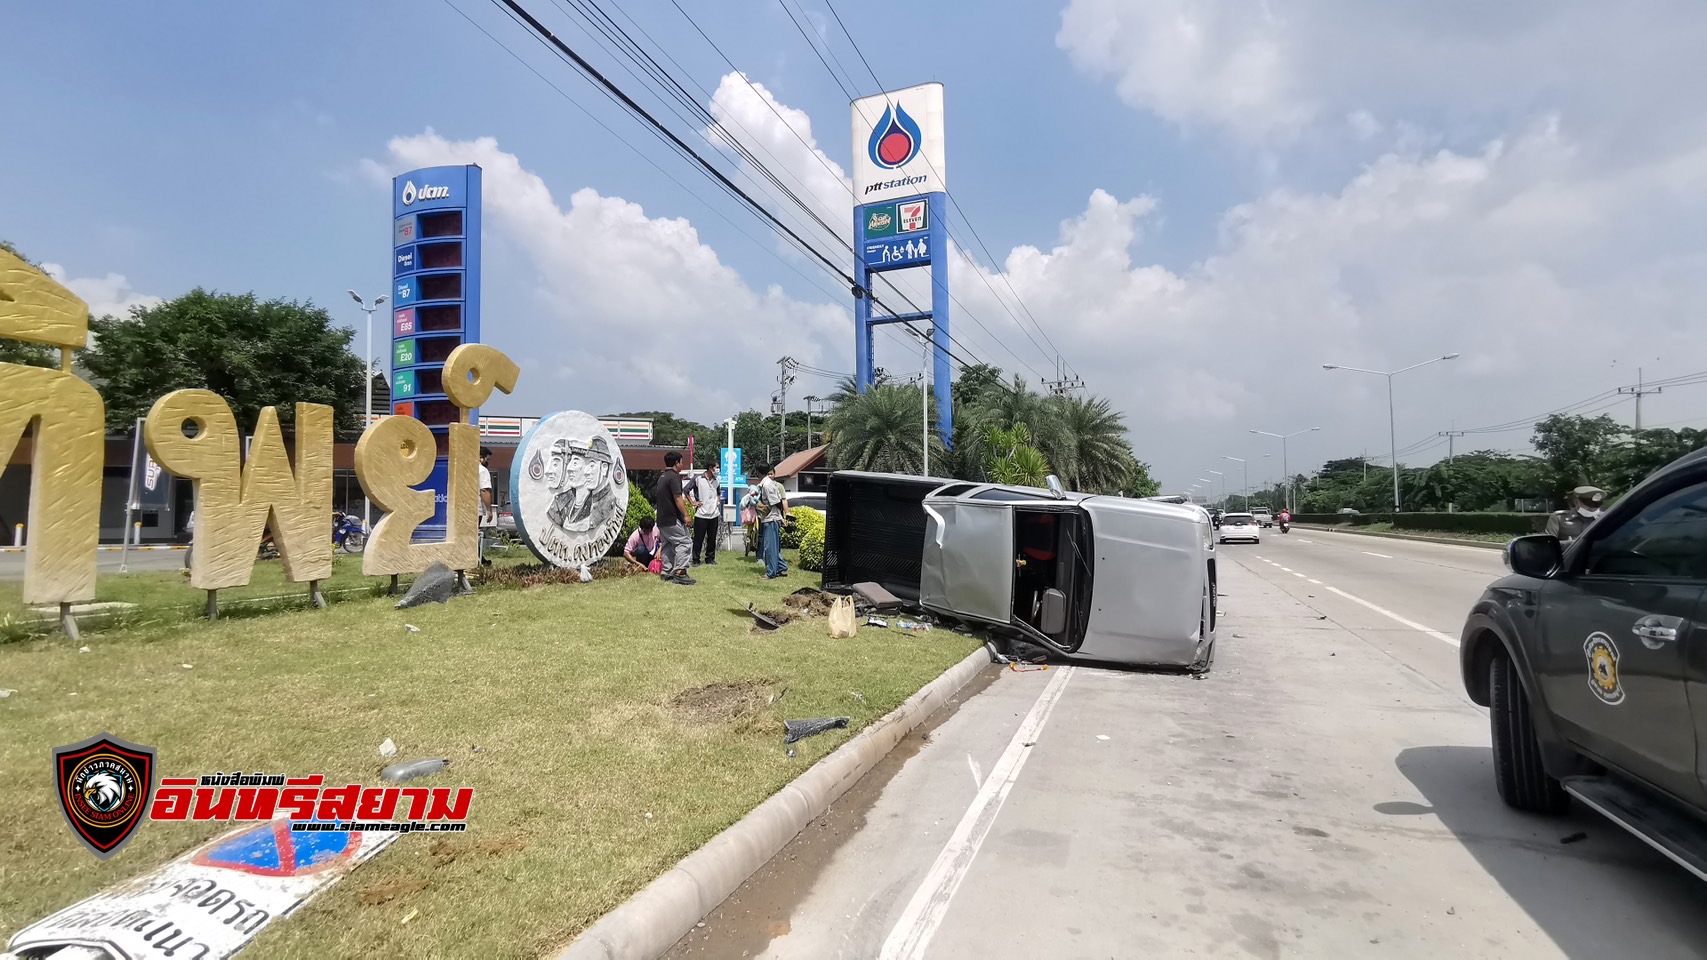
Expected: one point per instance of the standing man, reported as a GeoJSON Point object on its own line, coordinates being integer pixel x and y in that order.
{"type": "Point", "coordinates": [1581, 510]}
{"type": "Point", "coordinates": [673, 511]}
{"type": "Point", "coordinates": [488, 507]}
{"type": "Point", "coordinates": [770, 502]}
{"type": "Point", "coordinates": [708, 510]}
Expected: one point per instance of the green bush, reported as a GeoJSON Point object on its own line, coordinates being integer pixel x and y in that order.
{"type": "Point", "coordinates": [804, 517]}
{"type": "Point", "coordinates": [811, 524]}
{"type": "Point", "coordinates": [1515, 524]}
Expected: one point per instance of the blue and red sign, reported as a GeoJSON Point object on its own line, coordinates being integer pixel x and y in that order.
{"type": "Point", "coordinates": [275, 850]}
{"type": "Point", "coordinates": [895, 139]}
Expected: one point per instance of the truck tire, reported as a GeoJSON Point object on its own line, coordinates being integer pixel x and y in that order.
{"type": "Point", "coordinates": [1523, 783]}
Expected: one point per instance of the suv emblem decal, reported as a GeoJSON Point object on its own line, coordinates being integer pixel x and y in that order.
{"type": "Point", "coordinates": [1602, 656]}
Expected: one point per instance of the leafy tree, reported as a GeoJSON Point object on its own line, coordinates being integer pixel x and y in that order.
{"type": "Point", "coordinates": [879, 430]}
{"type": "Point", "coordinates": [1012, 458]}
{"type": "Point", "coordinates": [1002, 408]}
{"type": "Point", "coordinates": [669, 430]}
{"type": "Point", "coordinates": [1088, 444]}
{"type": "Point", "coordinates": [976, 382]}
{"type": "Point", "coordinates": [17, 351]}
{"type": "Point", "coordinates": [1139, 483]}
{"type": "Point", "coordinates": [1577, 449]}
{"type": "Point", "coordinates": [253, 353]}
{"type": "Point", "coordinates": [1646, 451]}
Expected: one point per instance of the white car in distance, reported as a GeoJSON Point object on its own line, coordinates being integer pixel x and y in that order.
{"type": "Point", "coordinates": [1239, 526]}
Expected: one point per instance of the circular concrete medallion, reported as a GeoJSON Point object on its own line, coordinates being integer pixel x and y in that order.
{"type": "Point", "coordinates": [568, 489]}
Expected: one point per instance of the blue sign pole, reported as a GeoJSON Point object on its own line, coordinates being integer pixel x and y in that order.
{"type": "Point", "coordinates": [895, 235]}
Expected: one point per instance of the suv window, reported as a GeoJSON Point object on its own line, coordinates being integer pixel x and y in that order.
{"type": "Point", "coordinates": [1235, 518]}
{"type": "Point", "coordinates": [1668, 538]}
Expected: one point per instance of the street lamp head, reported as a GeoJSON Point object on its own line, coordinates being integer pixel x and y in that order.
{"type": "Point", "coordinates": [355, 296]}
{"type": "Point", "coordinates": [1450, 356]}
{"type": "Point", "coordinates": [379, 300]}
{"type": "Point", "coordinates": [1330, 366]}
{"type": "Point", "coordinates": [1315, 428]}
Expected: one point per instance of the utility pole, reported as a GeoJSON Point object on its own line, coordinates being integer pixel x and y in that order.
{"type": "Point", "coordinates": [925, 399]}
{"type": "Point", "coordinates": [1392, 429]}
{"type": "Point", "coordinates": [1065, 382]}
{"type": "Point", "coordinates": [809, 403]}
{"type": "Point", "coordinates": [367, 375]}
{"type": "Point", "coordinates": [1639, 392]}
{"type": "Point", "coordinates": [783, 379]}
{"type": "Point", "coordinates": [1448, 434]}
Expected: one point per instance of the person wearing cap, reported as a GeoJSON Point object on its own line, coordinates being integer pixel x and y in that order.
{"type": "Point", "coordinates": [1584, 509]}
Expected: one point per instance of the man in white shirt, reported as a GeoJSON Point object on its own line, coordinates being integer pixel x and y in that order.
{"type": "Point", "coordinates": [488, 506]}
{"type": "Point", "coordinates": [708, 510]}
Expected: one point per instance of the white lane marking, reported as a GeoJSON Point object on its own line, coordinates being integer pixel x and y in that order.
{"type": "Point", "coordinates": [1443, 638]}
{"type": "Point", "coordinates": [1302, 540]}
{"type": "Point", "coordinates": [1287, 569]}
{"type": "Point", "coordinates": [1316, 582]}
{"type": "Point", "coordinates": [977, 774]}
{"type": "Point", "coordinates": [1297, 574]}
{"type": "Point", "coordinates": [1369, 553]}
{"type": "Point", "coordinates": [919, 921]}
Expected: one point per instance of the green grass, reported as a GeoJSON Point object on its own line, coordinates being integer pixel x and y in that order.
{"type": "Point", "coordinates": [566, 689]}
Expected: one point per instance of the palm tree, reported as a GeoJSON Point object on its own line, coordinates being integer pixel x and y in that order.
{"type": "Point", "coordinates": [879, 430]}
{"type": "Point", "coordinates": [1013, 460]}
{"type": "Point", "coordinates": [1087, 443]}
{"type": "Point", "coordinates": [1004, 407]}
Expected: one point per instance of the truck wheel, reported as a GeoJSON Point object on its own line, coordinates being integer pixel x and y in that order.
{"type": "Point", "coordinates": [1523, 783]}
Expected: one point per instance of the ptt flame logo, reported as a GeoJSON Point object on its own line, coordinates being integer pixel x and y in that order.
{"type": "Point", "coordinates": [895, 139]}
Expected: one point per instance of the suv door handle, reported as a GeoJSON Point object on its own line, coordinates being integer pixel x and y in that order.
{"type": "Point", "coordinates": [1656, 630]}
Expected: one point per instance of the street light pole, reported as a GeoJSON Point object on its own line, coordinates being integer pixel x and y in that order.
{"type": "Point", "coordinates": [1290, 495]}
{"type": "Point", "coordinates": [1247, 470]}
{"type": "Point", "coordinates": [809, 402]}
{"type": "Point", "coordinates": [367, 376]}
{"type": "Point", "coordinates": [1223, 487]}
{"type": "Point", "coordinates": [1392, 431]}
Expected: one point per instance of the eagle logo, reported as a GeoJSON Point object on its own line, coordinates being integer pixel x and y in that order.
{"type": "Point", "coordinates": [103, 791]}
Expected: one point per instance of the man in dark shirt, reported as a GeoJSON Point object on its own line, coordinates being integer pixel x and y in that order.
{"type": "Point", "coordinates": [676, 543]}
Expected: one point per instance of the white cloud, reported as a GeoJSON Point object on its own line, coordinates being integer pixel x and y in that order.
{"type": "Point", "coordinates": [627, 311]}
{"type": "Point", "coordinates": [1266, 70]}
{"type": "Point", "coordinates": [108, 295]}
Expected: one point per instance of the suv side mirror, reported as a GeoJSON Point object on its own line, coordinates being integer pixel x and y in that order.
{"type": "Point", "coordinates": [1540, 556]}
{"type": "Point", "coordinates": [1055, 489]}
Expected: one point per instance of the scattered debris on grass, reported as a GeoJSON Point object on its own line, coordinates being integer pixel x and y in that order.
{"type": "Point", "coordinates": [388, 749]}
{"type": "Point", "coordinates": [386, 892]}
{"type": "Point", "coordinates": [542, 574]}
{"type": "Point", "coordinates": [411, 628]}
{"type": "Point", "coordinates": [410, 769]}
{"type": "Point", "coordinates": [724, 702]}
{"type": "Point", "coordinates": [797, 730]}
{"type": "Point", "coordinates": [768, 621]}
{"type": "Point", "coordinates": [4, 693]}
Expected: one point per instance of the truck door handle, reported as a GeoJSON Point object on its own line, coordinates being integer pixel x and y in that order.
{"type": "Point", "coordinates": [1656, 630]}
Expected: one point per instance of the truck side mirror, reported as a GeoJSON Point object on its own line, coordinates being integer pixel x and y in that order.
{"type": "Point", "coordinates": [1052, 613]}
{"type": "Point", "coordinates": [1540, 556]}
{"type": "Point", "coordinates": [1055, 489]}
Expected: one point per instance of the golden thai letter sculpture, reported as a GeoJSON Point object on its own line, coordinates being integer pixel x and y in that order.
{"type": "Point", "coordinates": [396, 453]}
{"type": "Point", "coordinates": [70, 435]}
{"type": "Point", "coordinates": [235, 502]}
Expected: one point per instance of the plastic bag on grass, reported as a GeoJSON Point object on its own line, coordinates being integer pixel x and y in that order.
{"type": "Point", "coordinates": [842, 620]}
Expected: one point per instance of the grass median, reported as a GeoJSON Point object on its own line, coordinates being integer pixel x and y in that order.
{"type": "Point", "coordinates": [619, 724]}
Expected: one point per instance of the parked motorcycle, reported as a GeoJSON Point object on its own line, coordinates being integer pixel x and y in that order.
{"type": "Point", "coordinates": [347, 533]}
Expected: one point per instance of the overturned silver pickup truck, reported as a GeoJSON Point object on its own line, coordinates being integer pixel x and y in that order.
{"type": "Point", "coordinates": [1094, 578]}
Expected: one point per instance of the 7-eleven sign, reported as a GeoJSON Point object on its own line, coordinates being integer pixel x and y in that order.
{"type": "Point", "coordinates": [911, 216]}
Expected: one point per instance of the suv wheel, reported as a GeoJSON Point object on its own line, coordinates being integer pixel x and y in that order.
{"type": "Point", "coordinates": [1523, 783]}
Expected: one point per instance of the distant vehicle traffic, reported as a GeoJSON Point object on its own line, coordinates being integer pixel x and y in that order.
{"type": "Point", "coordinates": [1263, 516]}
{"type": "Point", "coordinates": [1585, 656]}
{"type": "Point", "coordinates": [1239, 526]}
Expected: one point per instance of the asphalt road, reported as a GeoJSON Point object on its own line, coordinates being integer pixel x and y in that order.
{"type": "Point", "coordinates": [1326, 791]}
{"type": "Point", "coordinates": [106, 561]}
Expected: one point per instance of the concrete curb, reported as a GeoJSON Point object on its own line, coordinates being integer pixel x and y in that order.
{"type": "Point", "coordinates": [1403, 536]}
{"type": "Point", "coordinates": [650, 922]}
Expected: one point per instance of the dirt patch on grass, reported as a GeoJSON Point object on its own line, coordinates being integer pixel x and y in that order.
{"type": "Point", "coordinates": [386, 892]}
{"type": "Point", "coordinates": [717, 703]}
{"type": "Point", "coordinates": [814, 604]}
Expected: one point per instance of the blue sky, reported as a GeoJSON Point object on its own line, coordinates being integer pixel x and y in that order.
{"type": "Point", "coordinates": [1200, 204]}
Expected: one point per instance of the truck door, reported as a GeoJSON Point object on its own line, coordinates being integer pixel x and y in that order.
{"type": "Point", "coordinates": [968, 559]}
{"type": "Point", "coordinates": [1616, 631]}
